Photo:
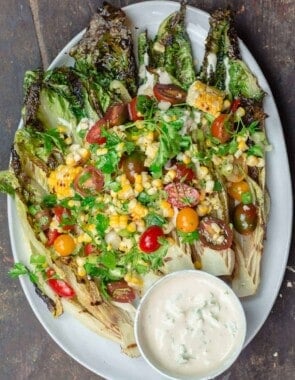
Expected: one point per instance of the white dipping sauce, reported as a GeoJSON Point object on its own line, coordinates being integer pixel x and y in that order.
{"type": "Point", "coordinates": [190, 324]}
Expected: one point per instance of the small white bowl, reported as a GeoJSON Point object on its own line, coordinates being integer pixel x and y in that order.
{"type": "Point", "coordinates": [190, 326]}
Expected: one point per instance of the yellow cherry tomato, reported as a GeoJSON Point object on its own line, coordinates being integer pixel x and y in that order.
{"type": "Point", "coordinates": [187, 220]}
{"type": "Point", "coordinates": [64, 245]}
{"type": "Point", "coordinates": [237, 189]}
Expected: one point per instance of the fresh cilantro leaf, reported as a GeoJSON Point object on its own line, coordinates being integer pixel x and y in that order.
{"type": "Point", "coordinates": [153, 219]}
{"type": "Point", "coordinates": [17, 270]}
{"type": "Point", "coordinates": [37, 259]}
{"type": "Point", "coordinates": [49, 200]}
{"type": "Point", "coordinates": [188, 237]}
{"type": "Point", "coordinates": [108, 162]}
{"type": "Point", "coordinates": [217, 186]}
{"type": "Point", "coordinates": [255, 150]}
{"type": "Point", "coordinates": [102, 223]}
{"type": "Point", "coordinates": [108, 259]}
{"type": "Point", "coordinates": [246, 198]}
{"type": "Point", "coordinates": [145, 106]}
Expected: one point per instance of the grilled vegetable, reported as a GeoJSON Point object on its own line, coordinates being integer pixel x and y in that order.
{"type": "Point", "coordinates": [222, 65]}
{"type": "Point", "coordinates": [171, 49]}
{"type": "Point", "coordinates": [107, 48]}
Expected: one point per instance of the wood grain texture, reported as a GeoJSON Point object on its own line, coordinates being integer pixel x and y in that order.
{"type": "Point", "coordinates": [31, 34]}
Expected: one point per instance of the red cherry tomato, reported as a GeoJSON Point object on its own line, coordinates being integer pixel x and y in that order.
{"type": "Point", "coordinates": [133, 164]}
{"type": "Point", "coordinates": [169, 93]}
{"type": "Point", "coordinates": [184, 173]}
{"type": "Point", "coordinates": [94, 134]}
{"type": "Point", "coordinates": [116, 114]}
{"type": "Point", "coordinates": [51, 236]}
{"type": "Point", "coordinates": [132, 110]}
{"type": "Point", "coordinates": [89, 182]}
{"type": "Point", "coordinates": [148, 241]}
{"type": "Point", "coordinates": [120, 291]}
{"type": "Point", "coordinates": [220, 128]}
{"type": "Point", "coordinates": [181, 195]}
{"type": "Point", "coordinates": [215, 233]}
{"type": "Point", "coordinates": [89, 249]}
{"type": "Point", "coordinates": [235, 105]}
{"type": "Point", "coordinates": [60, 287]}
{"type": "Point", "coordinates": [245, 218]}
{"type": "Point", "coordinates": [62, 214]}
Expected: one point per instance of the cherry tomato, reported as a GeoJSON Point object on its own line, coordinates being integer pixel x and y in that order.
{"type": "Point", "coordinates": [181, 195]}
{"type": "Point", "coordinates": [62, 214]}
{"type": "Point", "coordinates": [187, 220]}
{"type": "Point", "coordinates": [169, 93]}
{"type": "Point", "coordinates": [116, 114]}
{"type": "Point", "coordinates": [132, 110]}
{"type": "Point", "coordinates": [89, 182]}
{"type": "Point", "coordinates": [235, 105]}
{"type": "Point", "coordinates": [133, 164]}
{"type": "Point", "coordinates": [120, 291]}
{"type": "Point", "coordinates": [148, 241]}
{"type": "Point", "coordinates": [89, 249]}
{"type": "Point", "coordinates": [64, 245]}
{"type": "Point", "coordinates": [184, 173]}
{"type": "Point", "coordinates": [237, 189]}
{"type": "Point", "coordinates": [245, 218]}
{"type": "Point", "coordinates": [60, 287]}
{"type": "Point", "coordinates": [94, 134]}
{"type": "Point", "coordinates": [215, 234]}
{"type": "Point", "coordinates": [51, 236]}
{"type": "Point", "coordinates": [220, 128]}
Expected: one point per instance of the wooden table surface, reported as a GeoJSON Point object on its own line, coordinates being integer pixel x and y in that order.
{"type": "Point", "coordinates": [31, 34]}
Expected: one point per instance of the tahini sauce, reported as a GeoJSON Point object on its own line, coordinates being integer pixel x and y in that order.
{"type": "Point", "coordinates": [190, 326]}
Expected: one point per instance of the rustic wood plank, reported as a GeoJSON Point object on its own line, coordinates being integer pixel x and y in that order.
{"type": "Point", "coordinates": [32, 33]}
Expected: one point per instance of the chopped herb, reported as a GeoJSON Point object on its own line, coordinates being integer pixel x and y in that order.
{"type": "Point", "coordinates": [188, 237]}
{"type": "Point", "coordinates": [246, 198]}
{"type": "Point", "coordinates": [217, 186]}
{"type": "Point", "coordinates": [255, 150]}
{"type": "Point", "coordinates": [153, 219]}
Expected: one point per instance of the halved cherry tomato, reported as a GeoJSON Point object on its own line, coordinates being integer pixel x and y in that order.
{"type": "Point", "coordinates": [60, 287]}
{"type": "Point", "coordinates": [169, 93]}
{"type": "Point", "coordinates": [62, 214]}
{"type": "Point", "coordinates": [89, 182]}
{"type": "Point", "coordinates": [134, 114]}
{"type": "Point", "coordinates": [116, 114]}
{"type": "Point", "coordinates": [215, 233]}
{"type": "Point", "coordinates": [237, 189]}
{"type": "Point", "coordinates": [245, 218]}
{"type": "Point", "coordinates": [220, 128]}
{"type": "Point", "coordinates": [89, 249]}
{"type": "Point", "coordinates": [64, 245]}
{"type": "Point", "coordinates": [94, 134]}
{"type": "Point", "coordinates": [51, 236]}
{"type": "Point", "coordinates": [184, 173]}
{"type": "Point", "coordinates": [181, 195]}
{"type": "Point", "coordinates": [120, 291]}
{"type": "Point", "coordinates": [132, 164]}
{"type": "Point", "coordinates": [235, 105]}
{"type": "Point", "coordinates": [187, 220]}
{"type": "Point", "coordinates": [148, 241]}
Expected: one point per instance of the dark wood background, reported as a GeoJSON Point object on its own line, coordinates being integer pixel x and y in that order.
{"type": "Point", "coordinates": [31, 34]}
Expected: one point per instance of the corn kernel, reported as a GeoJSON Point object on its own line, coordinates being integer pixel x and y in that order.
{"type": "Point", "coordinates": [186, 159]}
{"type": "Point", "coordinates": [68, 140]}
{"type": "Point", "coordinates": [202, 172]}
{"type": "Point", "coordinates": [123, 221]}
{"type": "Point", "coordinates": [138, 187]}
{"type": "Point", "coordinates": [226, 105]}
{"type": "Point", "coordinates": [62, 129]}
{"type": "Point", "coordinates": [198, 264]}
{"type": "Point", "coordinates": [81, 271]}
{"type": "Point", "coordinates": [131, 227]}
{"type": "Point", "coordinates": [80, 261]}
{"type": "Point", "coordinates": [101, 151]}
{"type": "Point", "coordinates": [252, 161]}
{"type": "Point", "coordinates": [157, 183]}
{"type": "Point", "coordinates": [169, 176]}
{"type": "Point", "coordinates": [202, 209]}
{"type": "Point", "coordinates": [240, 112]}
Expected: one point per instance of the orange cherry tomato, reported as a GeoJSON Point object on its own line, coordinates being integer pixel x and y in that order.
{"type": "Point", "coordinates": [187, 220]}
{"type": "Point", "coordinates": [64, 245]}
{"type": "Point", "coordinates": [220, 128]}
{"type": "Point", "coordinates": [237, 189]}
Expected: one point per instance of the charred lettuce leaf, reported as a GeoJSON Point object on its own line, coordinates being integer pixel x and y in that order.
{"type": "Point", "coordinates": [171, 49]}
{"type": "Point", "coordinates": [223, 66]}
{"type": "Point", "coordinates": [107, 48]}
